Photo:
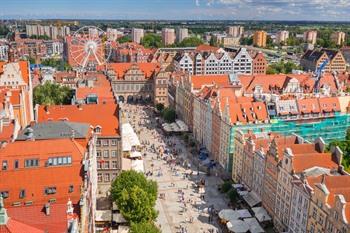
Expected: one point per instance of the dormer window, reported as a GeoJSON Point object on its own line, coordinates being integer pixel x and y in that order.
{"type": "Point", "coordinates": [22, 193]}
{"type": "Point", "coordinates": [98, 129]}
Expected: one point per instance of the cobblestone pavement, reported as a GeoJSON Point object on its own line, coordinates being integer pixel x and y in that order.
{"type": "Point", "coordinates": [191, 213]}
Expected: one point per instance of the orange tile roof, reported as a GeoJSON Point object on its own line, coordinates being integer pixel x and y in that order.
{"type": "Point", "coordinates": [104, 115]}
{"type": "Point", "coordinates": [266, 82]}
{"type": "Point", "coordinates": [24, 70]}
{"type": "Point", "coordinates": [7, 132]}
{"type": "Point", "coordinates": [14, 226]}
{"type": "Point", "coordinates": [206, 48]}
{"type": "Point", "coordinates": [329, 104]}
{"type": "Point", "coordinates": [337, 185]}
{"type": "Point", "coordinates": [302, 162]}
{"type": "Point", "coordinates": [34, 216]}
{"type": "Point", "coordinates": [2, 66]}
{"type": "Point", "coordinates": [198, 81]}
{"type": "Point", "coordinates": [35, 180]}
{"type": "Point", "coordinates": [308, 105]}
{"type": "Point", "coordinates": [102, 88]}
{"type": "Point", "coordinates": [147, 68]}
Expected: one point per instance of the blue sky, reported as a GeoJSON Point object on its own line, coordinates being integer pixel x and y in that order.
{"type": "Point", "coordinates": [178, 9]}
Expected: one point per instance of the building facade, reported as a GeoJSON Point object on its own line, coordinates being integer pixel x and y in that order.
{"type": "Point", "coordinates": [136, 35]}
{"type": "Point", "coordinates": [168, 36]}
{"type": "Point", "coordinates": [260, 39]}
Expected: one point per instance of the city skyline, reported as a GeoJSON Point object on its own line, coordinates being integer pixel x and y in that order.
{"type": "Point", "coordinates": [313, 10]}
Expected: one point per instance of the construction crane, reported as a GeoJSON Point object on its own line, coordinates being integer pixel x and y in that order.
{"type": "Point", "coordinates": [318, 73]}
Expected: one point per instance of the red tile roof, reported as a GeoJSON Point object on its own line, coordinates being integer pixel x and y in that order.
{"type": "Point", "coordinates": [102, 88]}
{"type": "Point", "coordinates": [305, 161]}
{"type": "Point", "coordinates": [104, 115]}
{"type": "Point", "coordinates": [14, 226]}
{"type": "Point", "coordinates": [206, 48]}
{"type": "Point", "coordinates": [308, 105]}
{"type": "Point", "coordinates": [329, 104]}
{"type": "Point", "coordinates": [147, 68]}
{"type": "Point", "coordinates": [35, 179]}
{"type": "Point", "coordinates": [198, 81]}
{"type": "Point", "coordinates": [34, 216]}
{"type": "Point", "coordinates": [24, 70]}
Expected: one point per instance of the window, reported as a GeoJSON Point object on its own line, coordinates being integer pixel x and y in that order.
{"type": "Point", "coordinates": [114, 142]}
{"type": "Point", "coordinates": [71, 189]}
{"type": "Point", "coordinates": [50, 190]}
{"type": "Point", "coordinates": [105, 154]}
{"type": "Point", "coordinates": [114, 164]}
{"type": "Point", "coordinates": [57, 161]}
{"type": "Point", "coordinates": [98, 154]}
{"type": "Point", "coordinates": [114, 153]}
{"type": "Point", "coordinates": [31, 163]}
{"type": "Point", "coordinates": [98, 143]}
{"type": "Point", "coordinates": [98, 129]}
{"type": "Point", "coordinates": [4, 194]}
{"type": "Point", "coordinates": [106, 165]}
{"type": "Point", "coordinates": [106, 177]}
{"type": "Point", "coordinates": [99, 177]}
{"type": "Point", "coordinates": [22, 193]}
{"type": "Point", "coordinates": [16, 164]}
{"type": "Point", "coordinates": [105, 142]}
{"type": "Point", "coordinates": [4, 165]}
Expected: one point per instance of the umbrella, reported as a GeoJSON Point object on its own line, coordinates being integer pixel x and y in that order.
{"type": "Point", "coordinates": [228, 214]}
{"type": "Point", "coordinates": [237, 226]}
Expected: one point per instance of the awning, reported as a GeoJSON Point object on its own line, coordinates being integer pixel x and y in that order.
{"type": "Point", "coordinates": [137, 165]}
{"type": "Point", "coordinates": [118, 218]}
{"type": "Point", "coordinates": [242, 193]}
{"type": "Point", "coordinates": [237, 226]}
{"type": "Point", "coordinates": [261, 214]}
{"type": "Point", "coordinates": [135, 154]}
{"type": "Point", "coordinates": [103, 215]}
{"type": "Point", "coordinates": [228, 214]}
{"type": "Point", "coordinates": [254, 226]}
{"type": "Point", "coordinates": [244, 213]}
{"type": "Point", "coordinates": [252, 199]}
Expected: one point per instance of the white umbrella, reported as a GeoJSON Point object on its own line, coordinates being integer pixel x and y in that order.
{"type": "Point", "coordinates": [224, 214]}
{"type": "Point", "coordinates": [237, 226]}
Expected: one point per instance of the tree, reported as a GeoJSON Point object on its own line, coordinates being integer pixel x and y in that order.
{"type": "Point", "coordinates": [246, 41]}
{"type": "Point", "coordinates": [31, 60]}
{"type": "Point", "coordinates": [59, 64]}
{"type": "Point", "coordinates": [281, 68]}
{"type": "Point", "coordinates": [160, 107]}
{"type": "Point", "coordinates": [344, 146]}
{"type": "Point", "coordinates": [136, 205]}
{"type": "Point", "coordinates": [52, 94]}
{"type": "Point", "coordinates": [144, 227]}
{"type": "Point", "coordinates": [191, 42]}
{"type": "Point", "coordinates": [213, 41]}
{"type": "Point", "coordinates": [124, 39]}
{"type": "Point", "coordinates": [232, 195]}
{"type": "Point", "coordinates": [169, 115]}
{"type": "Point", "coordinates": [151, 40]}
{"type": "Point", "coordinates": [128, 179]}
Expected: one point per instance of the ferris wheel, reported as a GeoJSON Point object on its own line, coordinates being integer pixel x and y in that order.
{"type": "Point", "coordinates": [90, 48]}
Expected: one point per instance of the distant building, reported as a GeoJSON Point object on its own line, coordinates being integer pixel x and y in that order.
{"type": "Point", "coordinates": [168, 36]}
{"type": "Point", "coordinates": [338, 38]}
{"type": "Point", "coordinates": [4, 52]}
{"type": "Point", "coordinates": [137, 34]}
{"type": "Point", "coordinates": [310, 37]}
{"type": "Point", "coordinates": [282, 37]}
{"type": "Point", "coordinates": [260, 38]}
{"type": "Point", "coordinates": [181, 34]}
{"type": "Point", "coordinates": [235, 31]}
{"type": "Point", "coordinates": [259, 63]}
{"type": "Point", "coordinates": [51, 31]}
{"type": "Point", "coordinates": [230, 41]}
{"type": "Point", "coordinates": [113, 34]}
{"type": "Point", "coordinates": [312, 59]}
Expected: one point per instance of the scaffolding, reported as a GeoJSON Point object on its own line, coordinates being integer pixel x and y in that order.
{"type": "Point", "coordinates": [331, 128]}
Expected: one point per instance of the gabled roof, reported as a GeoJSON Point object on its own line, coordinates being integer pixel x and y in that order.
{"type": "Point", "coordinates": [34, 180]}
{"type": "Point", "coordinates": [198, 81]}
{"type": "Point", "coordinates": [308, 160]}
{"type": "Point", "coordinates": [55, 130]}
{"type": "Point", "coordinates": [103, 115]}
{"type": "Point", "coordinates": [147, 68]}
{"type": "Point", "coordinates": [14, 226]}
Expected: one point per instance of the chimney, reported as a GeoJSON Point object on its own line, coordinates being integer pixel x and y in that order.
{"type": "Point", "coordinates": [80, 107]}
{"type": "Point", "coordinates": [46, 108]}
{"type": "Point", "coordinates": [47, 209]}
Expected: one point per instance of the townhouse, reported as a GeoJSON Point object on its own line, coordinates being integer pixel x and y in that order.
{"type": "Point", "coordinates": [312, 60]}
{"type": "Point", "coordinates": [54, 189]}
{"type": "Point", "coordinates": [106, 127]}
{"type": "Point", "coordinates": [217, 62]}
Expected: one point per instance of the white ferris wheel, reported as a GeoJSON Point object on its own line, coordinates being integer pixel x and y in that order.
{"type": "Point", "coordinates": [90, 48]}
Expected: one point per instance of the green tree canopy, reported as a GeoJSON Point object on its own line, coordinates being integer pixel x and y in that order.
{"type": "Point", "coordinates": [169, 115]}
{"type": "Point", "coordinates": [160, 107]}
{"type": "Point", "coordinates": [144, 227]}
{"type": "Point", "coordinates": [344, 145]}
{"type": "Point", "coordinates": [282, 68]}
{"type": "Point", "coordinates": [136, 205]}
{"type": "Point", "coordinates": [52, 94]}
{"type": "Point", "coordinates": [124, 39]}
{"type": "Point", "coordinates": [42, 37]}
{"type": "Point", "coordinates": [192, 41]}
{"type": "Point", "coordinates": [59, 64]}
{"type": "Point", "coordinates": [152, 40]}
